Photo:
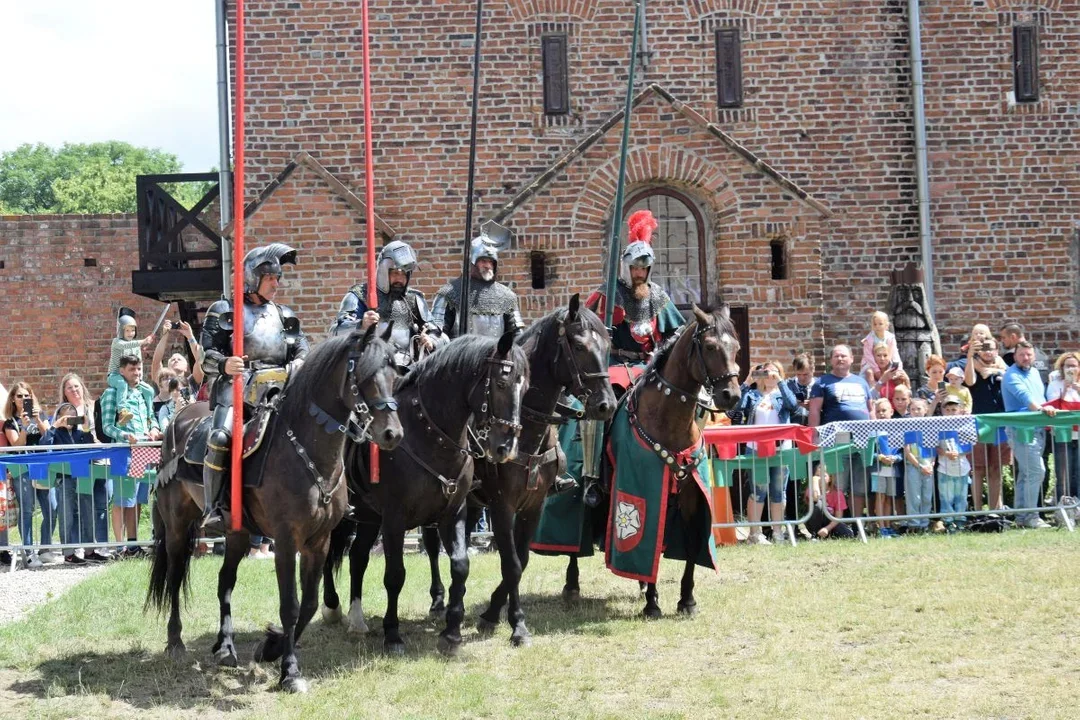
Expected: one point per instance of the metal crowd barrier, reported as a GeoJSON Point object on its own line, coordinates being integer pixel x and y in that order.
{"type": "Point", "coordinates": [69, 492]}
{"type": "Point", "coordinates": [744, 459]}
{"type": "Point", "coordinates": [993, 448]}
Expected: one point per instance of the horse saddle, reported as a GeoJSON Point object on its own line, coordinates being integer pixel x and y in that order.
{"type": "Point", "coordinates": [254, 433]}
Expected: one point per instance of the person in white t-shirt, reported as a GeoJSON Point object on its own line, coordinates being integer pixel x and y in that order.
{"type": "Point", "coordinates": [1064, 390]}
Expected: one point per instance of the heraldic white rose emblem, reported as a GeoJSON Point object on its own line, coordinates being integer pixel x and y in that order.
{"type": "Point", "coordinates": [627, 520]}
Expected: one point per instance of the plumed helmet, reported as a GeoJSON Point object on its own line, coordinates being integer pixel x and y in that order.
{"type": "Point", "coordinates": [266, 260]}
{"type": "Point", "coordinates": [493, 237]}
{"type": "Point", "coordinates": [124, 317]}
{"type": "Point", "coordinates": [639, 249]}
{"type": "Point", "coordinates": [396, 255]}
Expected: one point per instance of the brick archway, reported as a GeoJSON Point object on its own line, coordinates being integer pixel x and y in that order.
{"type": "Point", "coordinates": [524, 10]}
{"type": "Point", "coordinates": [700, 8]}
{"type": "Point", "coordinates": [650, 166]}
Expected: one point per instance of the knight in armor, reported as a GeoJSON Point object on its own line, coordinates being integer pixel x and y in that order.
{"type": "Point", "coordinates": [644, 316]}
{"type": "Point", "coordinates": [274, 347]}
{"type": "Point", "coordinates": [413, 332]}
{"type": "Point", "coordinates": [493, 307]}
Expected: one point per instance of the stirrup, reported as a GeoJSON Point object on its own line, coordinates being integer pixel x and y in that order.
{"type": "Point", "coordinates": [214, 519]}
{"type": "Point", "coordinates": [562, 484]}
{"type": "Point", "coordinates": [593, 496]}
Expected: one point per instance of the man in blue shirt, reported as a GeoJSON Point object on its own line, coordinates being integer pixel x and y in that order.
{"type": "Point", "coordinates": [841, 395]}
{"type": "Point", "coordinates": [1022, 390]}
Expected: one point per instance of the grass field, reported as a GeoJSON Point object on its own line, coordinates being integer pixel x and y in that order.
{"type": "Point", "coordinates": [962, 626]}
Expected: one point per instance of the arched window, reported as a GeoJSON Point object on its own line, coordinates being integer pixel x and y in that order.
{"type": "Point", "coordinates": [679, 242]}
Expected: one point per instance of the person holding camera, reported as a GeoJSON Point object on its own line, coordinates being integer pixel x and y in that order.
{"type": "Point", "coordinates": [190, 375]}
{"type": "Point", "coordinates": [93, 505]}
{"type": "Point", "coordinates": [24, 427]}
{"type": "Point", "coordinates": [172, 398]}
{"type": "Point", "coordinates": [983, 371]}
{"type": "Point", "coordinates": [767, 401]}
{"type": "Point", "coordinates": [933, 392]}
{"type": "Point", "coordinates": [68, 428]}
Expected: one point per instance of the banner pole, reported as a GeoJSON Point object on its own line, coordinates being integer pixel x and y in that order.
{"type": "Point", "coordinates": [236, 479]}
{"type": "Point", "coordinates": [617, 219]}
{"type": "Point", "coordinates": [369, 199]}
{"type": "Point", "coordinates": [463, 301]}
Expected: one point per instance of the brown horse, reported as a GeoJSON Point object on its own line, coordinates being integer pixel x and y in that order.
{"type": "Point", "coordinates": [300, 499]}
{"type": "Point", "coordinates": [664, 408]}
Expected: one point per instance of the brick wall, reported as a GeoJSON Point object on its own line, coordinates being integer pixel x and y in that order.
{"type": "Point", "coordinates": [827, 104]}
{"type": "Point", "coordinates": [59, 314]}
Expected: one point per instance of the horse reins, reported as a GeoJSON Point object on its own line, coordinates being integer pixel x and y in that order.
{"type": "Point", "coordinates": [709, 382]}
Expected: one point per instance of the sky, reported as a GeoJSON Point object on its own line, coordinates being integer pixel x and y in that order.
{"type": "Point", "coordinates": [140, 71]}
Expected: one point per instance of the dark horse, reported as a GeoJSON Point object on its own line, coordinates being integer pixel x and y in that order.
{"type": "Point", "coordinates": [474, 384]}
{"type": "Point", "coordinates": [300, 498]}
{"type": "Point", "coordinates": [567, 349]}
{"type": "Point", "coordinates": [664, 402]}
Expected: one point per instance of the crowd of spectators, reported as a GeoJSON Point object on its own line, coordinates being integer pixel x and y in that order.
{"type": "Point", "coordinates": [129, 410]}
{"type": "Point", "coordinates": [914, 479]}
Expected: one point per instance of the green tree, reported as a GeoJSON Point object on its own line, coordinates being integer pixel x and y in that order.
{"type": "Point", "coordinates": [83, 178]}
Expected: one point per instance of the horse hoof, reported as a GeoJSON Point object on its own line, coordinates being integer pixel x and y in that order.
{"type": "Point", "coordinates": [689, 609]}
{"type": "Point", "coordinates": [652, 613]}
{"type": "Point", "coordinates": [356, 624]}
{"type": "Point", "coordinates": [176, 652]}
{"type": "Point", "coordinates": [520, 641]}
{"type": "Point", "coordinates": [485, 626]}
{"type": "Point", "coordinates": [436, 611]}
{"type": "Point", "coordinates": [571, 595]}
{"type": "Point", "coordinates": [294, 685]}
{"type": "Point", "coordinates": [225, 657]}
{"type": "Point", "coordinates": [448, 647]}
{"type": "Point", "coordinates": [394, 649]}
{"type": "Point", "coordinates": [332, 616]}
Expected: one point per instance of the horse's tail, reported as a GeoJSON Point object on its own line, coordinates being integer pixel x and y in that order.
{"type": "Point", "coordinates": [340, 541]}
{"type": "Point", "coordinates": [167, 574]}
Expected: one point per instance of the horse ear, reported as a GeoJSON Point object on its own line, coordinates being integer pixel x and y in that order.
{"type": "Point", "coordinates": [702, 318]}
{"type": "Point", "coordinates": [724, 311]}
{"type": "Point", "coordinates": [505, 343]}
{"type": "Point", "coordinates": [368, 334]}
{"type": "Point", "coordinates": [387, 332]}
{"type": "Point", "coordinates": [573, 308]}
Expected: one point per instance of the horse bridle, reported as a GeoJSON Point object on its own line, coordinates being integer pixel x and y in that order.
{"type": "Point", "coordinates": [479, 430]}
{"type": "Point", "coordinates": [709, 382]}
{"type": "Point", "coordinates": [357, 425]}
{"type": "Point", "coordinates": [578, 377]}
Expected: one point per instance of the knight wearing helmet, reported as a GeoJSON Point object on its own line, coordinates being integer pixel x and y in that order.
{"type": "Point", "coordinates": [644, 316]}
{"type": "Point", "coordinates": [413, 334]}
{"type": "Point", "coordinates": [274, 347]}
{"type": "Point", "coordinates": [493, 307]}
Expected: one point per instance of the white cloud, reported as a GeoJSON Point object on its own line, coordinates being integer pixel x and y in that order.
{"type": "Point", "coordinates": [141, 71]}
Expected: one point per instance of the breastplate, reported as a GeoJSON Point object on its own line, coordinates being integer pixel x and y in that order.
{"type": "Point", "coordinates": [264, 335]}
{"type": "Point", "coordinates": [486, 325]}
{"type": "Point", "coordinates": [397, 310]}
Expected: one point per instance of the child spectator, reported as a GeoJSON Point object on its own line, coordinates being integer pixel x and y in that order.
{"type": "Point", "coordinates": [800, 385]}
{"type": "Point", "coordinates": [955, 388]}
{"type": "Point", "coordinates": [933, 392]}
{"type": "Point", "coordinates": [879, 335]}
{"type": "Point", "coordinates": [124, 343]}
{"type": "Point", "coordinates": [819, 525]}
{"type": "Point", "coordinates": [919, 476]}
{"type": "Point", "coordinates": [901, 401]}
{"type": "Point", "coordinates": [953, 471]}
{"type": "Point", "coordinates": [885, 473]}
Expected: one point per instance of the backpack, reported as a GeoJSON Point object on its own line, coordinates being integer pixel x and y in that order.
{"type": "Point", "coordinates": [99, 427]}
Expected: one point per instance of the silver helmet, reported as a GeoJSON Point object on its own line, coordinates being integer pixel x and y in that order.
{"type": "Point", "coordinates": [266, 260]}
{"type": "Point", "coordinates": [639, 251]}
{"type": "Point", "coordinates": [396, 255]}
{"type": "Point", "coordinates": [493, 237]}
{"type": "Point", "coordinates": [124, 317]}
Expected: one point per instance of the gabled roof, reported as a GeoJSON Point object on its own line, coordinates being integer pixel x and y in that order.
{"type": "Point", "coordinates": [555, 170]}
{"type": "Point", "coordinates": [305, 160]}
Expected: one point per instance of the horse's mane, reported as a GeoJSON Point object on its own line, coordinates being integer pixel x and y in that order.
{"type": "Point", "coordinates": [550, 322]}
{"type": "Point", "coordinates": [459, 360]}
{"type": "Point", "coordinates": [720, 323]}
{"type": "Point", "coordinates": [320, 362]}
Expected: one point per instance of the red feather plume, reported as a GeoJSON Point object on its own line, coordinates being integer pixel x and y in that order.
{"type": "Point", "coordinates": [642, 223]}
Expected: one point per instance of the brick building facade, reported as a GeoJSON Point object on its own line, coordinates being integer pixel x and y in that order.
{"type": "Point", "coordinates": [814, 172]}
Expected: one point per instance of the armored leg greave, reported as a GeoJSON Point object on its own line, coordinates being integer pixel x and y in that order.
{"type": "Point", "coordinates": [216, 459]}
